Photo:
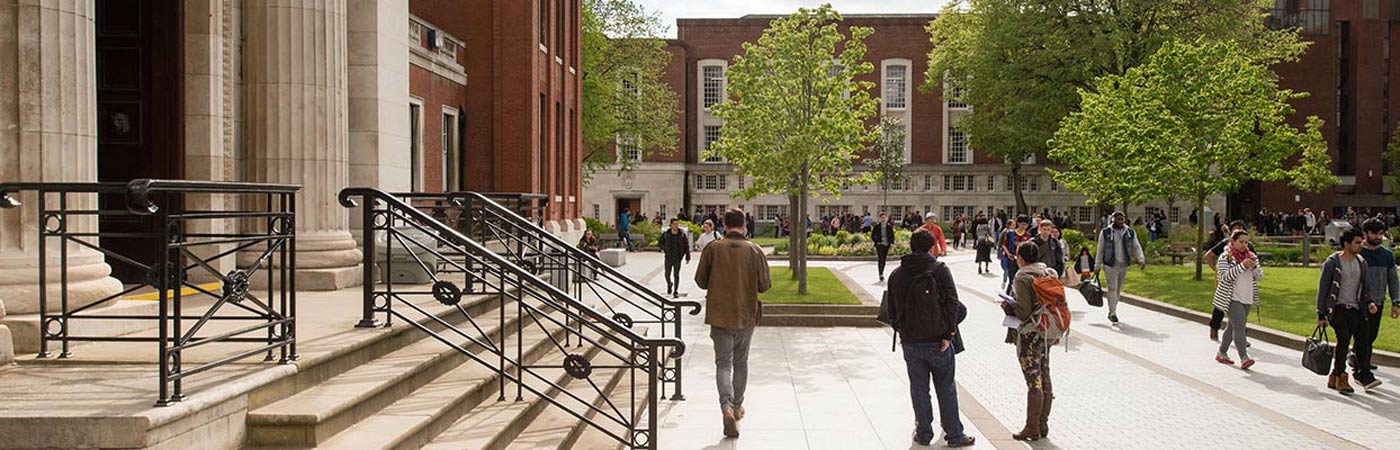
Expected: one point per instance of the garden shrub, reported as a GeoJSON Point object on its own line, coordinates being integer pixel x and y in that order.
{"type": "Point", "coordinates": [598, 227]}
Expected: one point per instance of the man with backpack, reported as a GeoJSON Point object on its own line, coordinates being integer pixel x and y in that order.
{"type": "Point", "coordinates": [925, 313]}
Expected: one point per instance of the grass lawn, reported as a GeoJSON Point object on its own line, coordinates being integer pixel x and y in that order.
{"type": "Point", "coordinates": [768, 241]}
{"type": "Point", "coordinates": [822, 289]}
{"type": "Point", "coordinates": [1287, 296]}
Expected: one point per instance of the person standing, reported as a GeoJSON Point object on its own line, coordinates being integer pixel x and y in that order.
{"type": "Point", "coordinates": [733, 271]}
{"type": "Point", "coordinates": [926, 300]}
{"type": "Point", "coordinates": [959, 231]}
{"type": "Point", "coordinates": [1342, 304]}
{"type": "Point", "coordinates": [1050, 252]}
{"type": "Point", "coordinates": [1115, 243]}
{"type": "Point", "coordinates": [1237, 290]}
{"type": "Point", "coordinates": [624, 228]}
{"type": "Point", "coordinates": [882, 234]}
{"type": "Point", "coordinates": [1013, 237]}
{"type": "Point", "coordinates": [984, 254]}
{"type": "Point", "coordinates": [1380, 279]}
{"type": "Point", "coordinates": [708, 234]}
{"type": "Point", "coordinates": [1032, 350]}
{"type": "Point", "coordinates": [940, 244]}
{"type": "Point", "coordinates": [675, 244]}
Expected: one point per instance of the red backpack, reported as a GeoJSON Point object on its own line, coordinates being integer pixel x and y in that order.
{"type": "Point", "coordinates": [1051, 317]}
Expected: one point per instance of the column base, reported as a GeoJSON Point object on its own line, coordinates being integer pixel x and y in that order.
{"type": "Point", "coordinates": [24, 328]}
{"type": "Point", "coordinates": [332, 279]}
{"type": "Point", "coordinates": [324, 262]}
{"type": "Point", "coordinates": [88, 282]}
{"type": "Point", "coordinates": [7, 346]}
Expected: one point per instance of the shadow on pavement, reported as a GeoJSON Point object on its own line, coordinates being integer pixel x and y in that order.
{"type": "Point", "coordinates": [1133, 331]}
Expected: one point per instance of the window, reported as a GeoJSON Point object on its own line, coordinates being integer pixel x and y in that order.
{"type": "Point", "coordinates": [415, 146]}
{"type": "Point", "coordinates": [957, 147]}
{"type": "Point", "coordinates": [717, 209]}
{"type": "Point", "coordinates": [714, 85]}
{"type": "Point", "coordinates": [450, 153]}
{"type": "Point", "coordinates": [597, 212]}
{"type": "Point", "coordinates": [952, 212]}
{"type": "Point", "coordinates": [901, 184]}
{"type": "Point", "coordinates": [544, 21]}
{"type": "Point", "coordinates": [897, 212]}
{"type": "Point", "coordinates": [1028, 183]}
{"type": "Point", "coordinates": [770, 212]}
{"type": "Point", "coordinates": [954, 97]}
{"type": "Point", "coordinates": [741, 181]}
{"type": "Point", "coordinates": [832, 210]}
{"type": "Point", "coordinates": [991, 183]}
{"type": "Point", "coordinates": [559, 16]}
{"type": "Point", "coordinates": [628, 150]}
{"type": "Point", "coordinates": [1175, 215]}
{"type": "Point", "coordinates": [1082, 214]}
{"type": "Point", "coordinates": [711, 136]}
{"type": "Point", "coordinates": [959, 183]}
{"type": "Point", "coordinates": [449, 49]}
{"type": "Point", "coordinates": [711, 182]}
{"type": "Point", "coordinates": [928, 183]}
{"type": "Point", "coordinates": [1054, 185]}
{"type": "Point", "coordinates": [896, 84]}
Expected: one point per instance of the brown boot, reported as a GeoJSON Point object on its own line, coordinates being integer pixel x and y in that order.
{"type": "Point", "coordinates": [1332, 382]}
{"type": "Point", "coordinates": [1035, 404]}
{"type": "Point", "coordinates": [1342, 385]}
{"type": "Point", "coordinates": [1045, 415]}
{"type": "Point", "coordinates": [731, 425]}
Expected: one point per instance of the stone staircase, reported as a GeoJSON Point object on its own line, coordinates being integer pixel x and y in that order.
{"type": "Point", "coordinates": [425, 394]}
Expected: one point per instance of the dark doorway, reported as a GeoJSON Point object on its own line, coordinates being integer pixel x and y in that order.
{"type": "Point", "coordinates": [140, 109]}
{"type": "Point", "coordinates": [633, 205]}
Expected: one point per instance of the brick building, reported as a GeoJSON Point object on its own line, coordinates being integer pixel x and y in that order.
{"type": "Point", "coordinates": [945, 174]}
{"type": "Point", "coordinates": [1347, 72]}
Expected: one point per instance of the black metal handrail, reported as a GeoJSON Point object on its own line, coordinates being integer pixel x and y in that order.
{"type": "Point", "coordinates": [266, 228]}
{"type": "Point", "coordinates": [534, 302]}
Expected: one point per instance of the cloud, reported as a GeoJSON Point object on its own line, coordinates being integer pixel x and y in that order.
{"type": "Point", "coordinates": [693, 9]}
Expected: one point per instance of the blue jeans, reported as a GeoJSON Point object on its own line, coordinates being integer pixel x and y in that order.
{"type": "Point", "coordinates": [925, 362]}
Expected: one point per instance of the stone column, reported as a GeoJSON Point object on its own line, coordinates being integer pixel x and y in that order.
{"type": "Point", "coordinates": [48, 133]}
{"type": "Point", "coordinates": [295, 106]}
{"type": "Point", "coordinates": [378, 97]}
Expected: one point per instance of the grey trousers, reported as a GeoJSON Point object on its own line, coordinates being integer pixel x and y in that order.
{"type": "Point", "coordinates": [1113, 280]}
{"type": "Point", "coordinates": [731, 364]}
{"type": "Point", "coordinates": [1236, 329]}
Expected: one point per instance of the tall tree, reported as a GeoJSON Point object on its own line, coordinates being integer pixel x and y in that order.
{"type": "Point", "coordinates": [1022, 63]}
{"type": "Point", "coordinates": [796, 117]}
{"type": "Point", "coordinates": [626, 106]}
{"type": "Point", "coordinates": [1199, 119]}
{"type": "Point", "coordinates": [888, 165]}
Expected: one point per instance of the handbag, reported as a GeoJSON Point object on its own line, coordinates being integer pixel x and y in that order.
{"type": "Point", "coordinates": [1317, 352]}
{"type": "Point", "coordinates": [1093, 294]}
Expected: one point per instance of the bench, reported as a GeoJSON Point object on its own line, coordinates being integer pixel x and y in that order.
{"type": "Point", "coordinates": [614, 257]}
{"type": "Point", "coordinates": [613, 241]}
{"type": "Point", "coordinates": [1179, 251]}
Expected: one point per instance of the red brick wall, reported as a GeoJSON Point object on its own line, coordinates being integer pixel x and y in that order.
{"type": "Point", "coordinates": [435, 92]}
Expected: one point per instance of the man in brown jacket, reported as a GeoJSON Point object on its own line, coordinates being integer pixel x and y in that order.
{"type": "Point", "coordinates": [732, 271]}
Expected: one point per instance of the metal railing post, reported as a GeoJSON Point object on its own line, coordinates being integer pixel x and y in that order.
{"type": "Point", "coordinates": [367, 319]}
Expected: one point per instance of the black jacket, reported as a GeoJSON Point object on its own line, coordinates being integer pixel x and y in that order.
{"type": "Point", "coordinates": [884, 229]}
{"type": "Point", "coordinates": [674, 245]}
{"type": "Point", "coordinates": [1050, 253]}
{"type": "Point", "coordinates": [925, 323]}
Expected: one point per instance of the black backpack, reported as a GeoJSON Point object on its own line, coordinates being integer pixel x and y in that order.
{"type": "Point", "coordinates": [924, 290]}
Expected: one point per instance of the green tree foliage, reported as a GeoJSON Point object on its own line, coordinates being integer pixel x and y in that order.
{"type": "Point", "coordinates": [888, 165]}
{"type": "Point", "coordinates": [1199, 119]}
{"type": "Point", "coordinates": [625, 102]}
{"type": "Point", "coordinates": [1022, 63]}
{"type": "Point", "coordinates": [795, 119]}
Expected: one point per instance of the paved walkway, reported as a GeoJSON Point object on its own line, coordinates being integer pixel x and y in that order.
{"type": "Point", "coordinates": [1149, 383]}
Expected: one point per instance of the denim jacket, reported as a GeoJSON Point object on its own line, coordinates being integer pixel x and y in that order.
{"type": "Point", "coordinates": [1109, 250]}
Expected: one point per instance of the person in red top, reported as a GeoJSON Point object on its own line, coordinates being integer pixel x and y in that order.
{"type": "Point", "coordinates": [940, 245]}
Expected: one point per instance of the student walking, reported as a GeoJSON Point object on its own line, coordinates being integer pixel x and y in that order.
{"type": "Point", "coordinates": [1009, 240]}
{"type": "Point", "coordinates": [1115, 243]}
{"type": "Point", "coordinates": [984, 254]}
{"type": "Point", "coordinates": [1032, 349]}
{"type": "Point", "coordinates": [926, 303]}
{"type": "Point", "coordinates": [733, 271]}
{"type": "Point", "coordinates": [1380, 279]}
{"type": "Point", "coordinates": [1342, 304]}
{"type": "Point", "coordinates": [1237, 290]}
{"type": "Point", "coordinates": [1050, 251]}
{"type": "Point", "coordinates": [624, 228]}
{"type": "Point", "coordinates": [708, 234]}
{"type": "Point", "coordinates": [1084, 264]}
{"type": "Point", "coordinates": [675, 244]}
{"type": "Point", "coordinates": [1219, 246]}
{"type": "Point", "coordinates": [882, 234]}
{"type": "Point", "coordinates": [940, 244]}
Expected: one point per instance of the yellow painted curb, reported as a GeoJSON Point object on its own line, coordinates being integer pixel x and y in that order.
{"type": "Point", "coordinates": [153, 296]}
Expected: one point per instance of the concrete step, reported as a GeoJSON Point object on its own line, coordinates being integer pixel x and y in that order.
{"type": "Point", "coordinates": [498, 425]}
{"type": "Point", "coordinates": [314, 415]}
{"type": "Point", "coordinates": [791, 320]}
{"type": "Point", "coordinates": [414, 419]}
{"type": "Point", "coordinates": [821, 310]}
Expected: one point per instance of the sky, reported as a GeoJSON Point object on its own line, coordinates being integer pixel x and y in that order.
{"type": "Point", "coordinates": [701, 9]}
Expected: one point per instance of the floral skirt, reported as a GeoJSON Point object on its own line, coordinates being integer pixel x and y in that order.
{"type": "Point", "coordinates": [1034, 356]}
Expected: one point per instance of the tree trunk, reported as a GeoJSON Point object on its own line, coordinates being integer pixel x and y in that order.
{"type": "Point", "coordinates": [1016, 188]}
{"type": "Point", "coordinates": [792, 237]}
{"type": "Point", "coordinates": [801, 224]}
{"type": "Point", "coordinates": [1200, 207]}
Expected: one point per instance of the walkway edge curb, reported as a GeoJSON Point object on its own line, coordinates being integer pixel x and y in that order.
{"type": "Point", "coordinates": [1270, 335]}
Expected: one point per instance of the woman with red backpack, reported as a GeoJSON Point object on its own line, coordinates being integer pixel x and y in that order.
{"type": "Point", "coordinates": [1033, 281]}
